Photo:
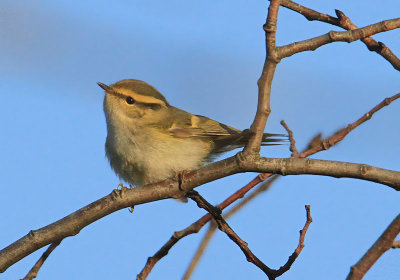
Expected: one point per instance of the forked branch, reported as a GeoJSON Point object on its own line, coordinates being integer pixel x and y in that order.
{"type": "Point", "coordinates": [223, 226]}
{"type": "Point", "coordinates": [344, 22]}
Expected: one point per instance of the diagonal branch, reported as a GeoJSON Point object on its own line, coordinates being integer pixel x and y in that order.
{"type": "Point", "coordinates": [200, 250]}
{"type": "Point", "coordinates": [338, 36]}
{"type": "Point", "coordinates": [308, 13]}
{"type": "Point", "coordinates": [223, 226]}
{"type": "Point", "coordinates": [384, 243]}
{"type": "Point", "coordinates": [211, 230]}
{"type": "Point", "coordinates": [339, 136]}
{"type": "Point", "coordinates": [35, 269]}
{"type": "Point", "coordinates": [344, 22]}
{"type": "Point", "coordinates": [194, 228]}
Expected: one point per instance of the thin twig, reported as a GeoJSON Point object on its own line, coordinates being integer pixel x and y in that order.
{"type": "Point", "coordinates": [223, 226]}
{"type": "Point", "coordinates": [293, 149]}
{"type": "Point", "coordinates": [195, 227]}
{"type": "Point", "coordinates": [339, 136]}
{"type": "Point", "coordinates": [337, 36]}
{"type": "Point", "coordinates": [212, 228]}
{"type": "Point", "coordinates": [308, 13]}
{"type": "Point", "coordinates": [344, 22]}
{"type": "Point", "coordinates": [35, 269]}
{"type": "Point", "coordinates": [384, 243]}
{"type": "Point", "coordinates": [200, 250]}
{"type": "Point", "coordinates": [246, 200]}
{"type": "Point", "coordinates": [300, 246]}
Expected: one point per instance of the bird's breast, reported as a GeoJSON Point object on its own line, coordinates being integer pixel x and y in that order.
{"type": "Point", "coordinates": [147, 155]}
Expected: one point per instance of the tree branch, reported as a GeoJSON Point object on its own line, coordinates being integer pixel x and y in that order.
{"type": "Point", "coordinates": [200, 250]}
{"type": "Point", "coordinates": [384, 243]}
{"type": "Point", "coordinates": [300, 246]}
{"type": "Point", "coordinates": [35, 269]}
{"type": "Point", "coordinates": [338, 36]}
{"type": "Point", "coordinates": [194, 227]}
{"type": "Point", "coordinates": [119, 199]}
{"type": "Point", "coordinates": [339, 136]}
{"type": "Point", "coordinates": [265, 81]}
{"type": "Point", "coordinates": [293, 149]}
{"type": "Point", "coordinates": [223, 226]}
{"type": "Point", "coordinates": [344, 22]}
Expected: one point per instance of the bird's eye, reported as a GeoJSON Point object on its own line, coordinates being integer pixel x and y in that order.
{"type": "Point", "coordinates": [130, 100]}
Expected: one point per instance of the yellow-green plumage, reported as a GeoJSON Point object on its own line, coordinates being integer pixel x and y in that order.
{"type": "Point", "coordinates": [149, 140]}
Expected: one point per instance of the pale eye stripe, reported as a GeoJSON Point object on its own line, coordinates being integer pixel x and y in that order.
{"type": "Point", "coordinates": [142, 98]}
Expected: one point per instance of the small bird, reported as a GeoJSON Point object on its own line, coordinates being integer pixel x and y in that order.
{"type": "Point", "coordinates": [148, 140]}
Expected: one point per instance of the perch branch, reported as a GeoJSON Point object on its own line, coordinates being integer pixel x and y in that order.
{"type": "Point", "coordinates": [384, 243]}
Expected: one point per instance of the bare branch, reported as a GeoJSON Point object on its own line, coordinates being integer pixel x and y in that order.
{"type": "Point", "coordinates": [338, 36]}
{"type": "Point", "coordinates": [384, 243]}
{"type": "Point", "coordinates": [344, 22]}
{"type": "Point", "coordinates": [265, 81]}
{"type": "Point", "coordinates": [300, 246]}
{"type": "Point", "coordinates": [195, 227]}
{"type": "Point", "coordinates": [308, 13]}
{"type": "Point", "coordinates": [295, 152]}
{"type": "Point", "coordinates": [200, 250]}
{"type": "Point", "coordinates": [223, 226]}
{"type": "Point", "coordinates": [35, 269]}
{"type": "Point", "coordinates": [260, 189]}
{"type": "Point", "coordinates": [339, 136]}
{"type": "Point", "coordinates": [211, 230]}
{"type": "Point", "coordinates": [372, 45]}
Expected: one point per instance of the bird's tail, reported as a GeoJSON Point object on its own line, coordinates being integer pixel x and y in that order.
{"type": "Point", "coordinates": [273, 139]}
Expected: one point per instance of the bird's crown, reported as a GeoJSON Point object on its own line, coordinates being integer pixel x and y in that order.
{"type": "Point", "coordinates": [140, 91]}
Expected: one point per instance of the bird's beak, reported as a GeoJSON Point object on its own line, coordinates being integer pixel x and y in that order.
{"type": "Point", "coordinates": [104, 86]}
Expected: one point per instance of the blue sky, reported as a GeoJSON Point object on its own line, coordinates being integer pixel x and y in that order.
{"type": "Point", "coordinates": [206, 57]}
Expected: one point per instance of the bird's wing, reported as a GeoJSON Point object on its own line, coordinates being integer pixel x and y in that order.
{"type": "Point", "coordinates": [224, 137]}
{"type": "Point", "coordinates": [200, 126]}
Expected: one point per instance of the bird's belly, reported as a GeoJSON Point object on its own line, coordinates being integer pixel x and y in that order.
{"type": "Point", "coordinates": [156, 160]}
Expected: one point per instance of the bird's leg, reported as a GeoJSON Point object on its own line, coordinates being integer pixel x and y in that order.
{"type": "Point", "coordinates": [124, 189]}
{"type": "Point", "coordinates": [180, 176]}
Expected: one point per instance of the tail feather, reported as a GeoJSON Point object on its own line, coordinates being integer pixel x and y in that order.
{"type": "Point", "coordinates": [232, 142]}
